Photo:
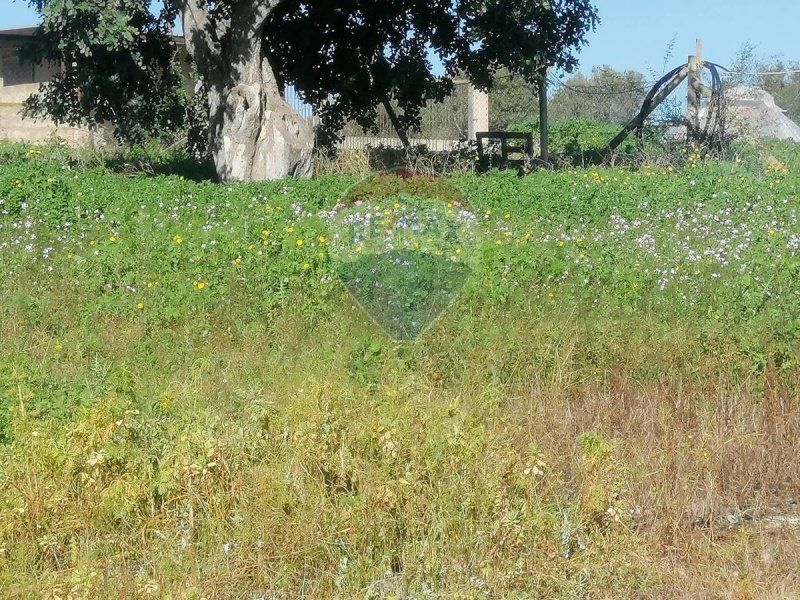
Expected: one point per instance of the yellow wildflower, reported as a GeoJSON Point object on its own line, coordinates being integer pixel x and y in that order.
{"type": "Point", "coordinates": [164, 401]}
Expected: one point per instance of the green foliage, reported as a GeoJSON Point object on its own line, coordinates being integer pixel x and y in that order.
{"type": "Point", "coordinates": [579, 140]}
{"type": "Point", "coordinates": [117, 65]}
{"type": "Point", "coordinates": [606, 96]}
{"type": "Point", "coordinates": [392, 64]}
{"type": "Point", "coordinates": [596, 450]}
{"type": "Point", "coordinates": [187, 392]}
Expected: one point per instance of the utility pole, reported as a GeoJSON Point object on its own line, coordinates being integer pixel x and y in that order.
{"type": "Point", "coordinates": [695, 93]}
{"type": "Point", "coordinates": [544, 151]}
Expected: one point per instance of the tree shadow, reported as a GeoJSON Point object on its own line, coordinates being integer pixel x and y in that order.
{"type": "Point", "coordinates": [159, 161]}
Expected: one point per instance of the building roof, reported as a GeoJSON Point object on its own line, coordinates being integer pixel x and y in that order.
{"type": "Point", "coordinates": [20, 32]}
{"type": "Point", "coordinates": [26, 32]}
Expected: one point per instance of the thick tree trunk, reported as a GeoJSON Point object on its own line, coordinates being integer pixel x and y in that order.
{"type": "Point", "coordinates": [253, 133]}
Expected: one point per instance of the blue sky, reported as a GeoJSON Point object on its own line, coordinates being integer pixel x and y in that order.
{"type": "Point", "coordinates": [634, 34]}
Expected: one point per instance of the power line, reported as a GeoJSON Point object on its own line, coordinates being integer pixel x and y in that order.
{"type": "Point", "coordinates": [786, 72]}
{"type": "Point", "coordinates": [595, 91]}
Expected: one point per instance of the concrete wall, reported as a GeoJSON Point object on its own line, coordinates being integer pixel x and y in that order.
{"type": "Point", "coordinates": [17, 82]}
{"type": "Point", "coordinates": [16, 129]}
{"type": "Point", "coordinates": [13, 128]}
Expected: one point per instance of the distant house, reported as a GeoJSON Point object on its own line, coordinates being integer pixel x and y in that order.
{"type": "Point", "coordinates": [12, 72]}
{"type": "Point", "coordinates": [17, 82]}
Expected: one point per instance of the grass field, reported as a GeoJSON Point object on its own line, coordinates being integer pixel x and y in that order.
{"type": "Point", "coordinates": [192, 406]}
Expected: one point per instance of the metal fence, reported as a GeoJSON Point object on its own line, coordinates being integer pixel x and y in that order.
{"type": "Point", "coordinates": [513, 104]}
{"type": "Point", "coordinates": [607, 97]}
{"type": "Point", "coordinates": [616, 98]}
{"type": "Point", "coordinates": [294, 100]}
{"type": "Point", "coordinates": [442, 125]}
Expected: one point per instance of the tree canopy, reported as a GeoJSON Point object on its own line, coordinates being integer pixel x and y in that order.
{"type": "Point", "coordinates": [345, 58]}
{"type": "Point", "coordinates": [607, 95]}
{"type": "Point", "coordinates": [117, 64]}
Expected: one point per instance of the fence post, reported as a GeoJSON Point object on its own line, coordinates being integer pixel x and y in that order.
{"type": "Point", "coordinates": [544, 151]}
{"type": "Point", "coordinates": [477, 111]}
{"type": "Point", "coordinates": [695, 92]}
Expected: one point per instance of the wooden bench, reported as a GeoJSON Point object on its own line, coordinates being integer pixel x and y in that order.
{"type": "Point", "coordinates": [511, 142]}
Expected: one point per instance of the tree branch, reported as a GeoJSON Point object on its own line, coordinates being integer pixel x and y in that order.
{"type": "Point", "coordinates": [198, 33]}
{"type": "Point", "coordinates": [249, 16]}
{"type": "Point", "coordinates": [401, 131]}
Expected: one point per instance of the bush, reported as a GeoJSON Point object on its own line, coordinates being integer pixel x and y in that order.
{"type": "Point", "coordinates": [580, 140]}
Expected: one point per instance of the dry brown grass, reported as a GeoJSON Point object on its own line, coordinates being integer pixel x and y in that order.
{"type": "Point", "coordinates": [459, 466]}
{"type": "Point", "coordinates": [708, 468]}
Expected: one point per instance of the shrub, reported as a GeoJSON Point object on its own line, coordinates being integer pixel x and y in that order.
{"type": "Point", "coordinates": [579, 140]}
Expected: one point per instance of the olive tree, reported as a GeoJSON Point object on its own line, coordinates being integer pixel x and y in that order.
{"type": "Point", "coordinates": [346, 58]}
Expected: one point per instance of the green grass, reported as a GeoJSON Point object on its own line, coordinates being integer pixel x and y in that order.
{"type": "Point", "coordinates": [193, 406]}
